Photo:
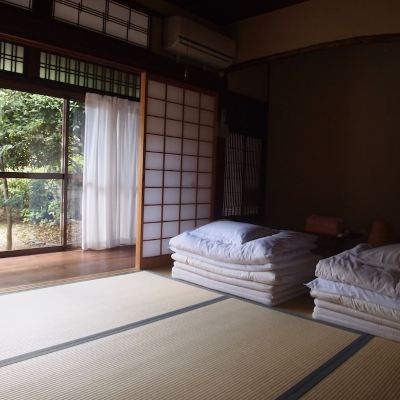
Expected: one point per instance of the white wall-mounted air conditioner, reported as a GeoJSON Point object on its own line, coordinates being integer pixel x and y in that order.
{"type": "Point", "coordinates": [191, 40]}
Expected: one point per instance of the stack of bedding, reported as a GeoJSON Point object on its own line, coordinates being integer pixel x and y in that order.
{"type": "Point", "coordinates": [250, 261]}
{"type": "Point", "coordinates": [360, 289]}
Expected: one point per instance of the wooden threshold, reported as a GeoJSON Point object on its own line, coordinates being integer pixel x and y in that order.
{"type": "Point", "coordinates": [26, 272]}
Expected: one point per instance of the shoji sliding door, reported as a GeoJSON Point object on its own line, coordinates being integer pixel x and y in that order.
{"type": "Point", "coordinates": [177, 166]}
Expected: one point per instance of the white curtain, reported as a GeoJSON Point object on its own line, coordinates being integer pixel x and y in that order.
{"type": "Point", "coordinates": [109, 172]}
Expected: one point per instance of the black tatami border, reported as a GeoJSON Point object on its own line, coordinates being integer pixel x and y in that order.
{"type": "Point", "coordinates": [109, 332]}
{"type": "Point", "coordinates": [315, 377]}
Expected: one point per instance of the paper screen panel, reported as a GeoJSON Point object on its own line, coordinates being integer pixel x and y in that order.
{"type": "Point", "coordinates": [165, 247]}
{"type": "Point", "coordinates": [174, 111]}
{"type": "Point", "coordinates": [170, 229]}
{"type": "Point", "coordinates": [151, 230]}
{"type": "Point", "coordinates": [190, 131]}
{"type": "Point", "coordinates": [172, 179]}
{"type": "Point", "coordinates": [175, 94]}
{"type": "Point", "coordinates": [189, 179]}
{"type": "Point", "coordinates": [206, 133]}
{"type": "Point", "coordinates": [173, 145]}
{"type": "Point", "coordinates": [172, 162]}
{"type": "Point", "coordinates": [154, 160]}
{"type": "Point", "coordinates": [152, 213]}
{"type": "Point", "coordinates": [173, 128]}
{"type": "Point", "coordinates": [188, 196]}
{"type": "Point", "coordinates": [189, 163]}
{"type": "Point", "coordinates": [156, 90]}
{"type": "Point", "coordinates": [153, 178]}
{"type": "Point", "coordinates": [187, 225]}
{"type": "Point", "coordinates": [151, 248]}
{"type": "Point", "coordinates": [179, 151]}
{"type": "Point", "coordinates": [171, 212]}
{"type": "Point", "coordinates": [156, 107]}
{"type": "Point", "coordinates": [155, 143]}
{"type": "Point", "coordinates": [155, 125]}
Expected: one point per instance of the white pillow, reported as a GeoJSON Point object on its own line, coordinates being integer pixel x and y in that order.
{"type": "Point", "coordinates": [232, 232]}
{"type": "Point", "coordinates": [383, 256]}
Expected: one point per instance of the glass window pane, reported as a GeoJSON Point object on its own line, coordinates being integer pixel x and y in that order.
{"type": "Point", "coordinates": [76, 141]}
{"type": "Point", "coordinates": [30, 212]}
{"type": "Point", "coordinates": [30, 132]}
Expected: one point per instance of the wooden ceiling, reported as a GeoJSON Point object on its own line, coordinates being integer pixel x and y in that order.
{"type": "Point", "coordinates": [224, 12]}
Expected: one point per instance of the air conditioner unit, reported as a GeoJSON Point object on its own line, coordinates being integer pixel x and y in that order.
{"type": "Point", "coordinates": [190, 39]}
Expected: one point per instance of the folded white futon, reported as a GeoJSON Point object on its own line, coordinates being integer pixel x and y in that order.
{"type": "Point", "coordinates": [360, 289]}
{"type": "Point", "coordinates": [250, 261]}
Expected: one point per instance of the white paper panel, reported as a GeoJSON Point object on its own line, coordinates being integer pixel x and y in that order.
{"type": "Point", "coordinates": [207, 102]}
{"type": "Point", "coordinates": [204, 195]}
{"type": "Point", "coordinates": [151, 231]}
{"type": "Point", "coordinates": [151, 213]}
{"type": "Point", "coordinates": [173, 128]}
{"type": "Point", "coordinates": [189, 179]}
{"type": "Point", "coordinates": [172, 179]}
{"type": "Point", "coordinates": [22, 3]}
{"type": "Point", "coordinates": [155, 125]}
{"type": "Point", "coordinates": [156, 89]}
{"type": "Point", "coordinates": [154, 143]}
{"type": "Point", "coordinates": [170, 229]}
{"type": "Point", "coordinates": [170, 213]}
{"type": "Point", "coordinates": [137, 37]}
{"type": "Point", "coordinates": [117, 30]}
{"type": "Point", "coordinates": [174, 111]}
{"type": "Point", "coordinates": [204, 180]}
{"type": "Point", "coordinates": [190, 147]}
{"type": "Point", "coordinates": [156, 107]}
{"type": "Point", "coordinates": [175, 94]}
{"type": "Point", "coordinates": [152, 196]}
{"type": "Point", "coordinates": [98, 5]}
{"type": "Point", "coordinates": [187, 225]}
{"type": "Point", "coordinates": [207, 117]}
{"type": "Point", "coordinates": [201, 222]}
{"type": "Point", "coordinates": [172, 161]}
{"type": "Point", "coordinates": [151, 248]}
{"type": "Point", "coordinates": [190, 131]}
{"type": "Point", "coordinates": [205, 164]}
{"type": "Point", "coordinates": [153, 178]}
{"type": "Point", "coordinates": [206, 133]}
{"type": "Point", "coordinates": [118, 11]}
{"type": "Point", "coordinates": [173, 145]}
{"type": "Point", "coordinates": [171, 196]}
{"type": "Point", "coordinates": [66, 13]}
{"type": "Point", "coordinates": [188, 211]}
{"type": "Point", "coordinates": [91, 21]}
{"type": "Point", "coordinates": [191, 115]}
{"type": "Point", "coordinates": [154, 160]}
{"type": "Point", "coordinates": [203, 211]}
{"type": "Point", "coordinates": [139, 19]}
{"type": "Point", "coordinates": [165, 247]}
{"type": "Point", "coordinates": [205, 149]}
{"type": "Point", "coordinates": [188, 196]}
{"type": "Point", "coordinates": [189, 163]}
{"type": "Point", "coordinates": [192, 98]}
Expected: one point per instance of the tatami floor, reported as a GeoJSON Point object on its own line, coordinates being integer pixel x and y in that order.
{"type": "Point", "coordinates": [18, 273]}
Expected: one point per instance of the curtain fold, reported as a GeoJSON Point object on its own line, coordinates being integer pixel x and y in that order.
{"type": "Point", "coordinates": [109, 172]}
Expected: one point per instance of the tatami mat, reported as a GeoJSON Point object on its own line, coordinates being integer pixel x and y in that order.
{"type": "Point", "coordinates": [372, 373]}
{"type": "Point", "coordinates": [41, 318]}
{"type": "Point", "coordinates": [227, 350]}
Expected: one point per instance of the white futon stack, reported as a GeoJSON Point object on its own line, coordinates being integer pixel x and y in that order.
{"type": "Point", "coordinates": [360, 289]}
{"type": "Point", "coordinates": [250, 261]}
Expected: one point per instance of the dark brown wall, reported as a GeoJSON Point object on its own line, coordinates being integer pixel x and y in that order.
{"type": "Point", "coordinates": [334, 136]}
